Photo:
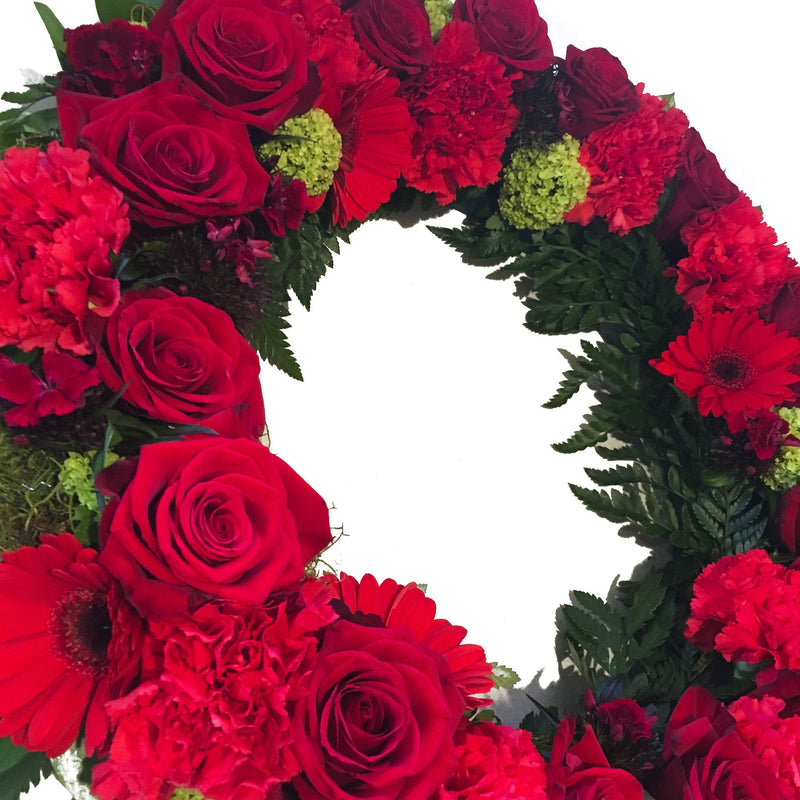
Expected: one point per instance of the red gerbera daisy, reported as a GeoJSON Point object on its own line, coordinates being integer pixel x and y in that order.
{"type": "Point", "coordinates": [376, 128]}
{"type": "Point", "coordinates": [733, 362]}
{"type": "Point", "coordinates": [397, 605]}
{"type": "Point", "coordinates": [69, 642]}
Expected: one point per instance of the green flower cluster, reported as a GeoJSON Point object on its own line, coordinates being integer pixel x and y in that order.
{"type": "Point", "coordinates": [76, 478]}
{"type": "Point", "coordinates": [785, 470]}
{"type": "Point", "coordinates": [308, 148]}
{"type": "Point", "coordinates": [541, 185]}
{"type": "Point", "coordinates": [440, 13]}
{"type": "Point", "coordinates": [187, 794]}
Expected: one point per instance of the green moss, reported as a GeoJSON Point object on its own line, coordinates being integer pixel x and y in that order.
{"type": "Point", "coordinates": [308, 148]}
{"type": "Point", "coordinates": [541, 184]}
{"type": "Point", "coordinates": [31, 501]}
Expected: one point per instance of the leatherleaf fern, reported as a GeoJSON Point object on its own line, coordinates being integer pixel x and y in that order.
{"type": "Point", "coordinates": [658, 486]}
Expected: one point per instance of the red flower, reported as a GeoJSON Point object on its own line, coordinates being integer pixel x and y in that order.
{"type": "Point", "coordinates": [775, 741]}
{"type": "Point", "coordinates": [707, 759]}
{"type": "Point", "coordinates": [407, 606]}
{"type": "Point", "coordinates": [702, 186]}
{"type": "Point", "coordinates": [375, 127]}
{"type": "Point", "coordinates": [512, 30]}
{"type": "Point", "coordinates": [733, 363]}
{"type": "Point", "coordinates": [379, 718]}
{"type": "Point", "coordinates": [69, 643]}
{"type": "Point", "coordinates": [208, 517]}
{"type": "Point", "coordinates": [593, 90]}
{"type": "Point", "coordinates": [224, 682]}
{"type": "Point", "coordinates": [620, 719]}
{"type": "Point", "coordinates": [245, 59]}
{"type": "Point", "coordinates": [179, 359]}
{"type": "Point", "coordinates": [111, 60]}
{"type": "Point", "coordinates": [176, 161]}
{"type": "Point", "coordinates": [396, 33]}
{"type": "Point", "coordinates": [630, 162]}
{"type": "Point", "coordinates": [462, 83]}
{"type": "Point", "coordinates": [57, 225]}
{"type": "Point", "coordinates": [789, 517]}
{"type": "Point", "coordinates": [495, 762]}
{"type": "Point", "coordinates": [734, 260]}
{"type": "Point", "coordinates": [718, 589]}
{"type": "Point", "coordinates": [61, 391]}
{"type": "Point", "coordinates": [581, 771]}
{"type": "Point", "coordinates": [285, 205]}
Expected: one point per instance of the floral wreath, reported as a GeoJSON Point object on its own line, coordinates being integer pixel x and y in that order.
{"type": "Point", "coordinates": [169, 627]}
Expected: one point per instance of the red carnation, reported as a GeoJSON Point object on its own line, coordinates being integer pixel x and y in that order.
{"type": "Point", "coordinates": [396, 605]}
{"type": "Point", "coordinates": [69, 643]}
{"type": "Point", "coordinates": [734, 260]}
{"type": "Point", "coordinates": [462, 83]}
{"type": "Point", "coordinates": [733, 363]}
{"type": "Point", "coordinates": [773, 738]}
{"type": "Point", "coordinates": [59, 392]}
{"type": "Point", "coordinates": [495, 762]}
{"type": "Point", "coordinates": [57, 226]}
{"type": "Point", "coordinates": [719, 588]}
{"type": "Point", "coordinates": [630, 162]}
{"type": "Point", "coordinates": [214, 711]}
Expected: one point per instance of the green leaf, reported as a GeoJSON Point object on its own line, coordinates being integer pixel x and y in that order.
{"type": "Point", "coordinates": [504, 677]}
{"type": "Point", "coordinates": [271, 341]}
{"type": "Point", "coordinates": [54, 28]}
{"type": "Point", "coordinates": [26, 772]}
{"type": "Point", "coordinates": [646, 601]}
{"type": "Point", "coordinates": [10, 754]}
{"type": "Point", "coordinates": [114, 9]}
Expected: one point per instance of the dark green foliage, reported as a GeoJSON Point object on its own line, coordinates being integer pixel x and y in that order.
{"type": "Point", "coordinates": [20, 770]}
{"type": "Point", "coordinates": [271, 341]}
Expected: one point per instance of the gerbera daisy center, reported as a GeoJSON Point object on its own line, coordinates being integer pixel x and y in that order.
{"type": "Point", "coordinates": [730, 369]}
{"type": "Point", "coordinates": [81, 630]}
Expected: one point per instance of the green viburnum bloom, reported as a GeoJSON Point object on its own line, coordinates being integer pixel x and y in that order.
{"type": "Point", "coordinates": [785, 470]}
{"type": "Point", "coordinates": [308, 148]}
{"type": "Point", "coordinates": [440, 13]}
{"type": "Point", "coordinates": [541, 184]}
{"type": "Point", "coordinates": [187, 794]}
{"type": "Point", "coordinates": [76, 477]}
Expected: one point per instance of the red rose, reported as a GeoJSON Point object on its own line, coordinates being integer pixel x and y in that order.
{"type": "Point", "coordinates": [593, 90]}
{"type": "Point", "coordinates": [379, 718]}
{"type": "Point", "coordinates": [246, 57]}
{"type": "Point", "coordinates": [208, 516]}
{"type": "Point", "coordinates": [182, 360]}
{"type": "Point", "coordinates": [702, 186]}
{"type": "Point", "coordinates": [581, 771]}
{"type": "Point", "coordinates": [511, 29]}
{"type": "Point", "coordinates": [174, 159]}
{"type": "Point", "coordinates": [396, 33]}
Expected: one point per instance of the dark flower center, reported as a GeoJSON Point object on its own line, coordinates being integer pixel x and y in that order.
{"type": "Point", "coordinates": [730, 369]}
{"type": "Point", "coordinates": [80, 629]}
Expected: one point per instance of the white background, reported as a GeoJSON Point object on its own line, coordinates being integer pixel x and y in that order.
{"type": "Point", "coordinates": [420, 416]}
